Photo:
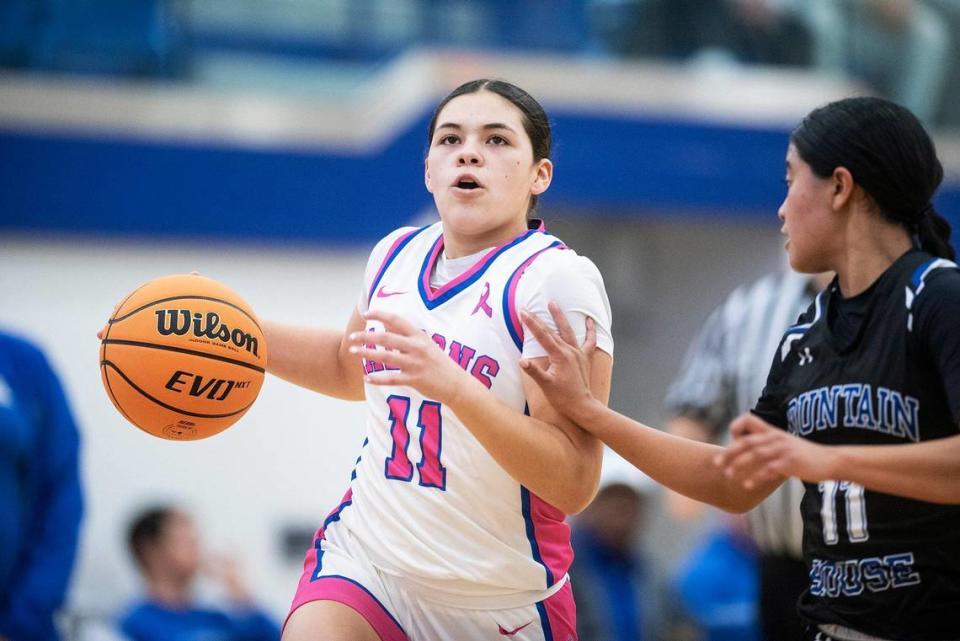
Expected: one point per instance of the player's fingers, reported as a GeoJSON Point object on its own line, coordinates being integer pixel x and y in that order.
{"type": "Point", "coordinates": [102, 332]}
{"type": "Point", "coordinates": [393, 322]}
{"type": "Point", "coordinates": [536, 372]}
{"type": "Point", "coordinates": [563, 325]}
{"type": "Point", "coordinates": [388, 340]}
{"type": "Point", "coordinates": [736, 465]}
{"type": "Point", "coordinates": [731, 451]}
{"type": "Point", "coordinates": [746, 463]}
{"type": "Point", "coordinates": [386, 378]}
{"type": "Point", "coordinates": [590, 342]}
{"type": "Point", "coordinates": [746, 424]}
{"type": "Point", "coordinates": [387, 358]}
{"type": "Point", "coordinates": [741, 456]}
{"type": "Point", "coordinates": [765, 474]}
{"type": "Point", "coordinates": [541, 332]}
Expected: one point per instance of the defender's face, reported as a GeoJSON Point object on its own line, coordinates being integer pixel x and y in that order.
{"type": "Point", "coordinates": [480, 169]}
{"type": "Point", "coordinates": [809, 222]}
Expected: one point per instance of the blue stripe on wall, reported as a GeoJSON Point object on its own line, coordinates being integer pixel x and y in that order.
{"type": "Point", "coordinates": [605, 165]}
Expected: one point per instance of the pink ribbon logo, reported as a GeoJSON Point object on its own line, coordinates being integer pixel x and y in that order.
{"type": "Point", "coordinates": [482, 304]}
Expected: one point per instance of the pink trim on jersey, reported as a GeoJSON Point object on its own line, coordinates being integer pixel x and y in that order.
{"type": "Point", "coordinates": [386, 259]}
{"type": "Point", "coordinates": [513, 316]}
{"type": "Point", "coordinates": [433, 294]}
{"type": "Point", "coordinates": [552, 535]}
{"type": "Point", "coordinates": [352, 595]}
{"type": "Point", "coordinates": [562, 614]}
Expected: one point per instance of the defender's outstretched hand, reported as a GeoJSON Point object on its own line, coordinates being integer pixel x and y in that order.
{"type": "Point", "coordinates": [410, 357]}
{"type": "Point", "coordinates": [760, 452]}
{"type": "Point", "coordinates": [565, 377]}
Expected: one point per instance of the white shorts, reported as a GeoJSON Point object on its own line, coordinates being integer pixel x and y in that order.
{"type": "Point", "coordinates": [336, 570]}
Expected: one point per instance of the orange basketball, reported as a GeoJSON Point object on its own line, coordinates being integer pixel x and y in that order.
{"type": "Point", "coordinates": [183, 357]}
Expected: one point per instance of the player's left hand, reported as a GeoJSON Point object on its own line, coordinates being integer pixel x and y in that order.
{"type": "Point", "coordinates": [415, 360]}
{"type": "Point", "coordinates": [760, 453]}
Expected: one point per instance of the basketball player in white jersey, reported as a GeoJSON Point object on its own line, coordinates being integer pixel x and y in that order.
{"type": "Point", "coordinates": [453, 524]}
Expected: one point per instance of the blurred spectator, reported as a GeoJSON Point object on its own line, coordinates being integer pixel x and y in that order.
{"type": "Point", "coordinates": [746, 31]}
{"type": "Point", "coordinates": [40, 495]}
{"type": "Point", "coordinates": [718, 584]}
{"type": "Point", "coordinates": [116, 37]}
{"type": "Point", "coordinates": [609, 575]}
{"type": "Point", "coordinates": [165, 545]}
{"type": "Point", "coordinates": [901, 48]}
{"type": "Point", "coordinates": [20, 21]}
{"type": "Point", "coordinates": [723, 374]}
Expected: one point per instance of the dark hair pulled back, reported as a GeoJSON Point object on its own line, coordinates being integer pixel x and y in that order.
{"type": "Point", "coordinates": [889, 154]}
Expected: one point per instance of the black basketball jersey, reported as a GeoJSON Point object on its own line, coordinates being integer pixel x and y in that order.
{"type": "Point", "coordinates": [857, 372]}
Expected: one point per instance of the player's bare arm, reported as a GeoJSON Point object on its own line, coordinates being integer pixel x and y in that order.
{"type": "Point", "coordinates": [683, 465]}
{"type": "Point", "coordinates": [530, 448]}
{"type": "Point", "coordinates": [927, 471]}
{"type": "Point", "coordinates": [316, 358]}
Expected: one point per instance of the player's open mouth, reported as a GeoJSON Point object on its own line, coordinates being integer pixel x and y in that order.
{"type": "Point", "coordinates": [468, 182]}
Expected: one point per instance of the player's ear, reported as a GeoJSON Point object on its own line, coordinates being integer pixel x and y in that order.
{"type": "Point", "coordinates": [426, 175]}
{"type": "Point", "coordinates": [843, 186]}
{"type": "Point", "coordinates": [543, 176]}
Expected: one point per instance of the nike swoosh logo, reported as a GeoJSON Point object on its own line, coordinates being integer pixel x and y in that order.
{"type": "Point", "coordinates": [385, 294]}
{"type": "Point", "coordinates": [510, 633]}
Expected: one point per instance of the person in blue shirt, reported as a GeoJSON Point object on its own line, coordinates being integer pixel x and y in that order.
{"type": "Point", "coordinates": [165, 545]}
{"type": "Point", "coordinates": [609, 575]}
{"type": "Point", "coordinates": [41, 503]}
{"type": "Point", "coordinates": [718, 585]}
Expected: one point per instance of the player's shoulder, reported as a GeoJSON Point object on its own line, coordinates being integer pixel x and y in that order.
{"type": "Point", "coordinates": [934, 288]}
{"type": "Point", "coordinates": [559, 261]}
{"type": "Point", "coordinates": [399, 234]}
{"type": "Point", "coordinates": [936, 275]}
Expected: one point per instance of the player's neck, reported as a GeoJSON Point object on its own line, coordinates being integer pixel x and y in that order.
{"type": "Point", "coordinates": [869, 252]}
{"type": "Point", "coordinates": [459, 245]}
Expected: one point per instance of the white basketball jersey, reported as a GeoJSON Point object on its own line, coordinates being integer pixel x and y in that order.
{"type": "Point", "coordinates": [427, 501]}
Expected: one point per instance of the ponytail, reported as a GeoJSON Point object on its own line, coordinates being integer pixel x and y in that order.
{"type": "Point", "coordinates": [888, 153]}
{"type": "Point", "coordinates": [933, 231]}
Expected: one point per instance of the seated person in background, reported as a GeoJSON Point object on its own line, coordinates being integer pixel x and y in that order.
{"type": "Point", "coordinates": [166, 548]}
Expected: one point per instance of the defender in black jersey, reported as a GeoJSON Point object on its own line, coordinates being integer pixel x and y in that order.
{"type": "Point", "coordinates": [871, 369]}
{"type": "Point", "coordinates": [863, 399]}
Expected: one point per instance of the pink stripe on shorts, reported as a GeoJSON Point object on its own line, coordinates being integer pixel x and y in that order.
{"type": "Point", "coordinates": [353, 595]}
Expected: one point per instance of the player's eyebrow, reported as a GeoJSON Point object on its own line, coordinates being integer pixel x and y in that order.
{"type": "Point", "coordinates": [489, 125]}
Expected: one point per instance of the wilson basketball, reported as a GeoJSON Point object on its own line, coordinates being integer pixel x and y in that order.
{"type": "Point", "coordinates": [183, 357]}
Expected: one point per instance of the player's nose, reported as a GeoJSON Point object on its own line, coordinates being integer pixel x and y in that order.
{"type": "Point", "coordinates": [469, 156]}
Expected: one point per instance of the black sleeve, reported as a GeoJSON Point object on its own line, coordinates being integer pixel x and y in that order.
{"type": "Point", "coordinates": [937, 323]}
{"type": "Point", "coordinates": [771, 406]}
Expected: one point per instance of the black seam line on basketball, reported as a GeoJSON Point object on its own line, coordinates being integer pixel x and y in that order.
{"type": "Point", "coordinates": [113, 398]}
{"type": "Point", "coordinates": [171, 407]}
{"type": "Point", "coordinates": [182, 350]}
{"type": "Point", "coordinates": [167, 300]}
{"type": "Point", "coordinates": [122, 303]}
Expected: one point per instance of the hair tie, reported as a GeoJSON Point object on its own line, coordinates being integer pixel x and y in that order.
{"type": "Point", "coordinates": [927, 211]}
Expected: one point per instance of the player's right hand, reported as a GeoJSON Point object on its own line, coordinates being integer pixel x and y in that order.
{"type": "Point", "coordinates": [565, 378]}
